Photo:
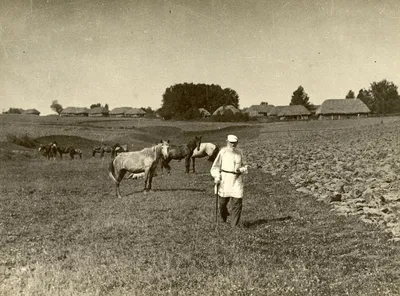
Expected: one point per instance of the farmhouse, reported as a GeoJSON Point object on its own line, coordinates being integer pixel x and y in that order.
{"type": "Point", "coordinates": [119, 111]}
{"type": "Point", "coordinates": [221, 110]}
{"type": "Point", "coordinates": [135, 112]}
{"type": "Point", "coordinates": [275, 110]}
{"type": "Point", "coordinates": [259, 110]}
{"type": "Point", "coordinates": [204, 113]}
{"type": "Point", "coordinates": [98, 112]}
{"type": "Point", "coordinates": [342, 108]}
{"type": "Point", "coordinates": [31, 112]}
{"type": "Point", "coordinates": [294, 112]}
{"type": "Point", "coordinates": [75, 111]}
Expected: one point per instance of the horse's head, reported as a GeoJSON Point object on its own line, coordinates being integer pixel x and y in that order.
{"type": "Point", "coordinates": [198, 142]}
{"type": "Point", "coordinates": [165, 148]}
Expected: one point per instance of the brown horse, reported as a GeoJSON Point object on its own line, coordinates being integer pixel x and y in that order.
{"type": "Point", "coordinates": [117, 149]}
{"type": "Point", "coordinates": [49, 150]}
{"type": "Point", "coordinates": [180, 152]}
{"type": "Point", "coordinates": [102, 149]}
{"type": "Point", "coordinates": [69, 150]}
{"type": "Point", "coordinates": [143, 161]}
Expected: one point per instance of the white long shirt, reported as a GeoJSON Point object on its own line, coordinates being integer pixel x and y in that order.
{"type": "Point", "coordinates": [224, 168]}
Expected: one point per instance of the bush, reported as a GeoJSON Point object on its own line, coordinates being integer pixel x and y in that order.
{"type": "Point", "coordinates": [24, 140]}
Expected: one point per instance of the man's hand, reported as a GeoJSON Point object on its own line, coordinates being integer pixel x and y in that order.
{"type": "Point", "coordinates": [217, 181]}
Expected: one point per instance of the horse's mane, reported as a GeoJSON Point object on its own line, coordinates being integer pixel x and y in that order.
{"type": "Point", "coordinates": [152, 151]}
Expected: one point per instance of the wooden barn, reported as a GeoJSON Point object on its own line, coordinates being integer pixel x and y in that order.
{"type": "Point", "coordinates": [342, 109]}
{"type": "Point", "coordinates": [119, 111]}
{"type": "Point", "coordinates": [31, 112]}
{"type": "Point", "coordinates": [294, 112]}
{"type": "Point", "coordinates": [75, 111]}
{"type": "Point", "coordinates": [221, 110]}
{"type": "Point", "coordinates": [259, 110]}
{"type": "Point", "coordinates": [135, 112]}
{"type": "Point", "coordinates": [98, 112]}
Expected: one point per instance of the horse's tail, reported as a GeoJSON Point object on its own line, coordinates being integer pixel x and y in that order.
{"type": "Point", "coordinates": [111, 171]}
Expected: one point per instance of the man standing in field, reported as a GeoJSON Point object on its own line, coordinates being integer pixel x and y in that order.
{"type": "Point", "coordinates": [227, 171]}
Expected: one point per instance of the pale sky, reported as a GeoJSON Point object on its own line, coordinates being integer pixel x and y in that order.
{"type": "Point", "coordinates": [126, 53]}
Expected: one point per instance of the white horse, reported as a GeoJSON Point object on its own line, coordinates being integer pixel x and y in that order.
{"type": "Point", "coordinates": [143, 161]}
{"type": "Point", "coordinates": [206, 149]}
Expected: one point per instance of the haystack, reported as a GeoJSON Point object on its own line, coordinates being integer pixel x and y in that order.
{"type": "Point", "coordinates": [221, 110]}
{"type": "Point", "coordinates": [204, 112]}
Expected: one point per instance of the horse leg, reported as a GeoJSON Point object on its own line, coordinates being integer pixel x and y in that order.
{"type": "Point", "coordinates": [187, 164]}
{"type": "Point", "coordinates": [193, 164]}
{"type": "Point", "coordinates": [146, 180]}
{"type": "Point", "coordinates": [119, 178]}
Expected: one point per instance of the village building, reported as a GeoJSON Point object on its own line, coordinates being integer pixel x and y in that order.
{"type": "Point", "coordinates": [342, 109]}
{"type": "Point", "coordinates": [31, 112]}
{"type": "Point", "coordinates": [75, 111]}
{"type": "Point", "coordinates": [259, 110]}
{"type": "Point", "coordinates": [222, 110]}
{"type": "Point", "coordinates": [135, 112]}
{"type": "Point", "coordinates": [275, 110]}
{"type": "Point", "coordinates": [119, 111]}
{"type": "Point", "coordinates": [98, 112]}
{"type": "Point", "coordinates": [204, 113]}
{"type": "Point", "coordinates": [294, 112]}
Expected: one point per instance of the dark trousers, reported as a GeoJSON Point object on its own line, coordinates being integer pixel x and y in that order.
{"type": "Point", "coordinates": [236, 209]}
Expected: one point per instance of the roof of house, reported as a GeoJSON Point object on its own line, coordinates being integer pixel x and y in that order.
{"type": "Point", "coordinates": [75, 110]}
{"type": "Point", "coordinates": [31, 111]}
{"type": "Point", "coordinates": [294, 110]}
{"type": "Point", "coordinates": [342, 106]}
{"type": "Point", "coordinates": [275, 110]}
{"type": "Point", "coordinates": [135, 111]}
{"type": "Point", "coordinates": [222, 109]}
{"type": "Point", "coordinates": [99, 110]}
{"type": "Point", "coordinates": [120, 110]}
{"type": "Point", "coordinates": [260, 108]}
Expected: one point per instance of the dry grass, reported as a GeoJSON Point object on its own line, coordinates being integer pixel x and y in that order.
{"type": "Point", "coordinates": [64, 233]}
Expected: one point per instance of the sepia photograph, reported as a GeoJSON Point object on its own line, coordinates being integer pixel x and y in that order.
{"type": "Point", "coordinates": [199, 147]}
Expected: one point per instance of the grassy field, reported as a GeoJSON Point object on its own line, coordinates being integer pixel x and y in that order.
{"type": "Point", "coordinates": [63, 232]}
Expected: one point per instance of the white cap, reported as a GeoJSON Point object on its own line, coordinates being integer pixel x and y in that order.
{"type": "Point", "coordinates": [232, 138]}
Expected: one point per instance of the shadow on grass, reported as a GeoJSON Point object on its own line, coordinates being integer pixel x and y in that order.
{"type": "Point", "coordinates": [181, 189]}
{"type": "Point", "coordinates": [258, 222]}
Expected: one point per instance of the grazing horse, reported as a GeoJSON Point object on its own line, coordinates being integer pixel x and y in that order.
{"type": "Point", "coordinates": [102, 149]}
{"type": "Point", "coordinates": [117, 149]}
{"type": "Point", "coordinates": [143, 161]}
{"type": "Point", "coordinates": [69, 150]}
{"type": "Point", "coordinates": [181, 151]}
{"type": "Point", "coordinates": [206, 149]}
{"type": "Point", "coordinates": [49, 150]}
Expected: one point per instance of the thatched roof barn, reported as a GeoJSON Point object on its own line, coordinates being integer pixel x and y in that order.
{"type": "Point", "coordinates": [98, 111]}
{"type": "Point", "coordinates": [259, 110]}
{"type": "Point", "coordinates": [75, 111]}
{"type": "Point", "coordinates": [294, 112]}
{"type": "Point", "coordinates": [275, 110]}
{"type": "Point", "coordinates": [119, 111]}
{"type": "Point", "coordinates": [135, 112]}
{"type": "Point", "coordinates": [204, 112]}
{"type": "Point", "coordinates": [342, 108]}
{"type": "Point", "coordinates": [221, 110]}
{"type": "Point", "coordinates": [31, 112]}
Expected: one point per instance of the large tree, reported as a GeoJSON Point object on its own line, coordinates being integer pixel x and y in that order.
{"type": "Point", "coordinates": [365, 96]}
{"type": "Point", "coordinates": [182, 101]}
{"type": "Point", "coordinates": [350, 95]}
{"type": "Point", "coordinates": [386, 96]}
{"type": "Point", "coordinates": [300, 97]}
{"type": "Point", "coordinates": [55, 106]}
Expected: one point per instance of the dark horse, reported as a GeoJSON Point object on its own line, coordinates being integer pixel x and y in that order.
{"type": "Point", "coordinates": [181, 152]}
{"type": "Point", "coordinates": [49, 151]}
{"type": "Point", "coordinates": [117, 149]}
{"type": "Point", "coordinates": [69, 150]}
{"type": "Point", "coordinates": [144, 161]}
{"type": "Point", "coordinates": [102, 149]}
